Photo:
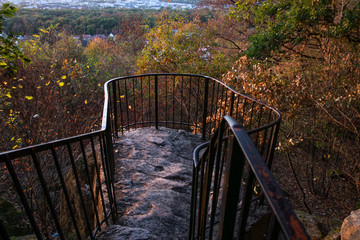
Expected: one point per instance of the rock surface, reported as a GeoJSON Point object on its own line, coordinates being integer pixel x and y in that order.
{"type": "Point", "coordinates": [310, 225]}
{"type": "Point", "coordinates": [153, 184]}
{"type": "Point", "coordinates": [350, 229]}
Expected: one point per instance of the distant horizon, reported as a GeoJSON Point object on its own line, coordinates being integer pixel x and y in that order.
{"type": "Point", "coordinates": [87, 4]}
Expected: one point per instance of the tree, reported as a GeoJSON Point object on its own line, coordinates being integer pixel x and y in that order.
{"type": "Point", "coordinates": [9, 50]}
{"type": "Point", "coordinates": [303, 58]}
{"type": "Point", "coordinates": [298, 26]}
{"type": "Point", "coordinates": [177, 45]}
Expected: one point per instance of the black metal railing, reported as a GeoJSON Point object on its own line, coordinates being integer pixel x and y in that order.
{"type": "Point", "coordinates": [234, 195]}
{"type": "Point", "coordinates": [181, 101]}
{"type": "Point", "coordinates": [64, 189]}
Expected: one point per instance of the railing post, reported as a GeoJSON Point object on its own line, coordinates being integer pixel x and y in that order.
{"type": "Point", "coordinates": [232, 103]}
{"type": "Point", "coordinates": [206, 96]}
{"type": "Point", "coordinates": [115, 109]}
{"type": "Point", "coordinates": [110, 157]}
{"type": "Point", "coordinates": [232, 182]}
{"type": "Point", "coordinates": [273, 142]}
{"type": "Point", "coordinates": [156, 104]}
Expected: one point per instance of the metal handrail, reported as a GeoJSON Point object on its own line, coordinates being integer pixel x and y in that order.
{"type": "Point", "coordinates": [156, 76]}
{"type": "Point", "coordinates": [183, 101]}
{"type": "Point", "coordinates": [222, 169]}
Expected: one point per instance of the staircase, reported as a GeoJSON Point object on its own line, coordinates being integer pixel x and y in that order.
{"type": "Point", "coordinates": [153, 184]}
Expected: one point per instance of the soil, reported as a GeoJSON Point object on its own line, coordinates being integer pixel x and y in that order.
{"type": "Point", "coordinates": [329, 199]}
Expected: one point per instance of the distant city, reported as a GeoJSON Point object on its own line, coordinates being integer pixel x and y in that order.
{"type": "Point", "coordinates": [85, 4]}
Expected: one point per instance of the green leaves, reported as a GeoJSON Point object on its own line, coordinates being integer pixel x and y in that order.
{"type": "Point", "coordinates": [9, 50]}
{"type": "Point", "coordinates": [287, 24]}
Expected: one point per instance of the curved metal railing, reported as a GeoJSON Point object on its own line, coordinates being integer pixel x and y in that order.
{"type": "Point", "coordinates": [194, 103]}
{"type": "Point", "coordinates": [182, 101]}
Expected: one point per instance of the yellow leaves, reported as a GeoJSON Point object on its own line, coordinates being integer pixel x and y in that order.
{"type": "Point", "coordinates": [36, 36]}
{"type": "Point", "coordinates": [43, 30]}
{"type": "Point", "coordinates": [86, 101]}
{"type": "Point", "coordinates": [3, 64]}
{"type": "Point", "coordinates": [29, 97]}
{"type": "Point", "coordinates": [8, 95]}
{"type": "Point", "coordinates": [63, 77]}
{"type": "Point", "coordinates": [122, 96]}
{"type": "Point", "coordinates": [47, 84]}
{"type": "Point", "coordinates": [61, 84]}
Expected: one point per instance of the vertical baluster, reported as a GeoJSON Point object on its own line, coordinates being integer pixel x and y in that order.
{"type": "Point", "coordinates": [208, 178]}
{"type": "Point", "coordinates": [182, 104]}
{"type": "Point", "coordinates": [115, 108]}
{"type": "Point", "coordinates": [206, 96]}
{"type": "Point", "coordinates": [189, 109]}
{"type": "Point", "coordinates": [142, 103]}
{"type": "Point", "coordinates": [105, 169]}
{"type": "Point", "coordinates": [258, 125]}
{"type": "Point", "coordinates": [127, 104]}
{"type": "Point", "coordinates": [237, 108]}
{"type": "Point", "coordinates": [194, 187]}
{"type": "Point", "coordinates": [173, 102]}
{"type": "Point", "coordinates": [47, 193]}
{"type": "Point", "coordinates": [108, 176]}
{"type": "Point", "coordinates": [134, 95]}
{"type": "Point", "coordinates": [226, 101]}
{"type": "Point", "coordinates": [78, 186]}
{"type": "Point", "coordinates": [232, 183]}
{"type": "Point", "coordinates": [65, 191]}
{"type": "Point", "coordinates": [22, 196]}
{"type": "Point", "coordinates": [166, 101]}
{"type": "Point", "coordinates": [121, 111]}
{"type": "Point", "coordinates": [221, 105]}
{"type": "Point", "coordinates": [216, 184]}
{"type": "Point", "coordinates": [243, 112]}
{"type": "Point", "coordinates": [212, 108]}
{"type": "Point", "coordinates": [216, 103]}
{"type": "Point", "coordinates": [98, 178]}
{"type": "Point", "coordinates": [89, 181]}
{"type": "Point", "coordinates": [197, 105]}
{"type": "Point", "coordinates": [274, 134]}
{"type": "Point", "coordinates": [246, 202]}
{"type": "Point", "coordinates": [252, 114]}
{"type": "Point", "coordinates": [149, 96]}
{"type": "Point", "coordinates": [156, 103]}
{"type": "Point", "coordinates": [199, 221]}
{"type": "Point", "coordinates": [232, 103]}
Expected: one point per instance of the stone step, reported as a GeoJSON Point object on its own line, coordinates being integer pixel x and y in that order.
{"type": "Point", "coordinates": [153, 184]}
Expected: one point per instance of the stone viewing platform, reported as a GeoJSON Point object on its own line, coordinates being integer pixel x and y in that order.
{"type": "Point", "coordinates": [153, 184]}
